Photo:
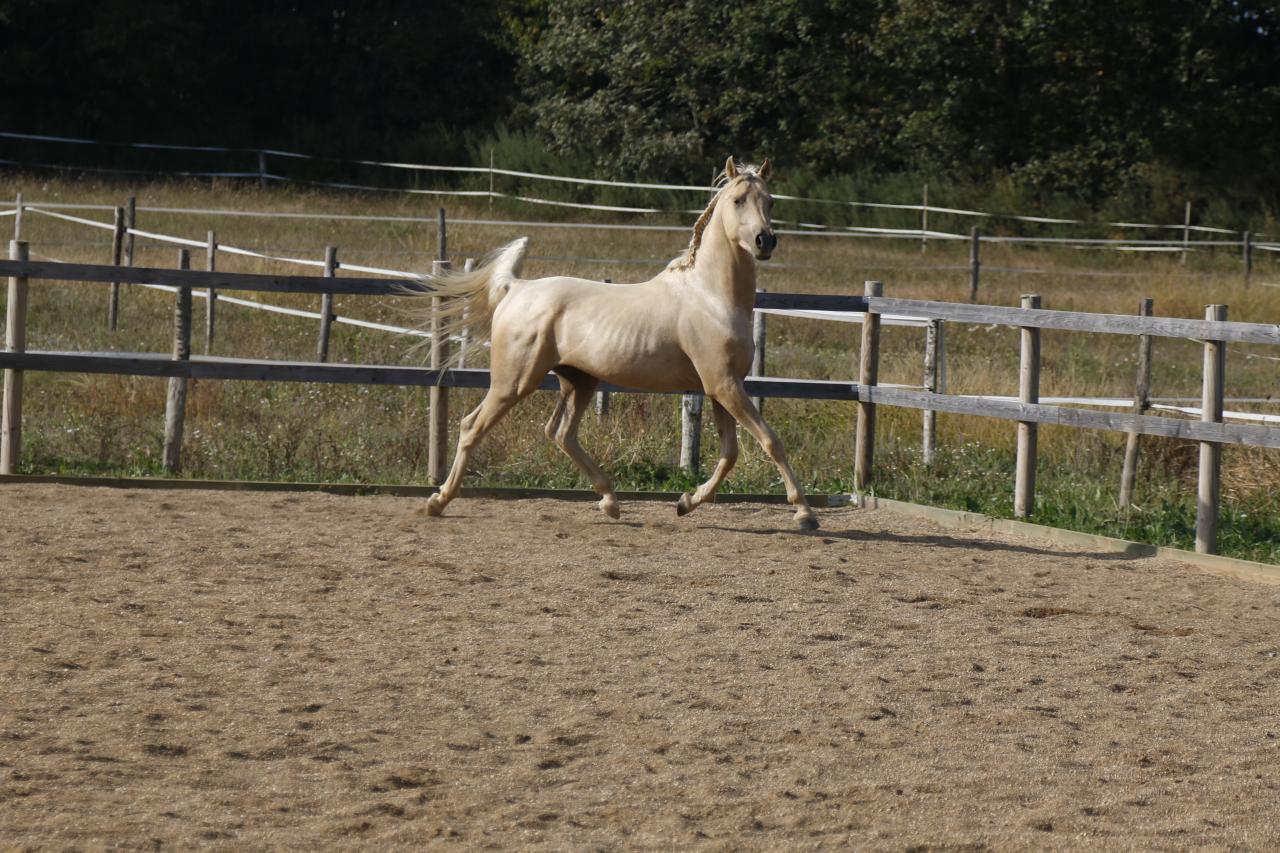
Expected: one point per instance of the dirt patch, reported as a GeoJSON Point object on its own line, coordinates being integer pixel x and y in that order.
{"type": "Point", "coordinates": [267, 670]}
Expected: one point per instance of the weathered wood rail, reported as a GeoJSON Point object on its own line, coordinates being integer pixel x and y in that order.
{"type": "Point", "coordinates": [1214, 332]}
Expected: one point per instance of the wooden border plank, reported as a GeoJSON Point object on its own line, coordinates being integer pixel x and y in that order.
{"type": "Point", "coordinates": [392, 489]}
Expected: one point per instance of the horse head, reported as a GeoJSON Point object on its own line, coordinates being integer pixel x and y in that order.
{"type": "Point", "coordinates": [746, 203]}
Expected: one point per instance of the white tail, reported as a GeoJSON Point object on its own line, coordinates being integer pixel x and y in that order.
{"type": "Point", "coordinates": [468, 299]}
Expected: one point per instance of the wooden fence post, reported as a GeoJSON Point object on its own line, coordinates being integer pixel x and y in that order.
{"type": "Point", "coordinates": [691, 433]}
{"type": "Point", "coordinates": [15, 340]}
{"type": "Point", "coordinates": [176, 401]}
{"type": "Point", "coordinates": [211, 293]}
{"type": "Point", "coordinates": [437, 394]}
{"type": "Point", "coordinates": [130, 222]}
{"type": "Point", "coordinates": [17, 217]}
{"type": "Point", "coordinates": [1141, 403]}
{"type": "Point", "coordinates": [1209, 492]}
{"type": "Point", "coordinates": [262, 170]}
{"type": "Point", "coordinates": [924, 220]}
{"type": "Point", "coordinates": [117, 248]}
{"type": "Point", "coordinates": [933, 356]}
{"type": "Point", "coordinates": [868, 376]}
{"type": "Point", "coordinates": [975, 262]}
{"type": "Point", "coordinates": [1248, 257]}
{"type": "Point", "coordinates": [1024, 490]}
{"type": "Point", "coordinates": [467, 266]}
{"type": "Point", "coordinates": [442, 236]}
{"type": "Point", "coordinates": [1186, 232]}
{"type": "Point", "coordinates": [326, 304]}
{"type": "Point", "coordinates": [602, 397]}
{"type": "Point", "coordinates": [758, 331]}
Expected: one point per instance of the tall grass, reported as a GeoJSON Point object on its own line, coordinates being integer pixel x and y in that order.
{"type": "Point", "coordinates": [250, 430]}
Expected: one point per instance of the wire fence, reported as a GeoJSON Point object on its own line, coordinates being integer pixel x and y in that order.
{"type": "Point", "coordinates": [270, 166]}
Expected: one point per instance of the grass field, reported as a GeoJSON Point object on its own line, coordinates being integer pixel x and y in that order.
{"type": "Point", "coordinates": [99, 424]}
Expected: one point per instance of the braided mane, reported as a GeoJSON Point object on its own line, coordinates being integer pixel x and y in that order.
{"type": "Point", "coordinates": [686, 259]}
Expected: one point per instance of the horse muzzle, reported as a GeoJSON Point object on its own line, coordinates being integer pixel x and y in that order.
{"type": "Point", "coordinates": [766, 242]}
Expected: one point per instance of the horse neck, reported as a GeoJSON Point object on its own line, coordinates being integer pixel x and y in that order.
{"type": "Point", "coordinates": [725, 269]}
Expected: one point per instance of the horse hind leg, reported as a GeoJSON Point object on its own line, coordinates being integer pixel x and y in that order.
{"type": "Point", "coordinates": [552, 428]}
{"type": "Point", "coordinates": [566, 436]}
{"type": "Point", "coordinates": [518, 365]}
{"type": "Point", "coordinates": [473, 428]}
{"type": "Point", "coordinates": [727, 429]}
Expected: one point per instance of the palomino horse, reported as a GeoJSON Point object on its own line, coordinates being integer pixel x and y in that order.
{"type": "Point", "coordinates": [688, 327]}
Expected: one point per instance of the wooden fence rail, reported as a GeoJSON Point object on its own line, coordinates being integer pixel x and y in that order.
{"type": "Point", "coordinates": [1214, 331]}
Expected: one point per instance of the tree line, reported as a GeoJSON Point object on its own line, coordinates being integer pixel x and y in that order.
{"type": "Point", "coordinates": [1082, 98]}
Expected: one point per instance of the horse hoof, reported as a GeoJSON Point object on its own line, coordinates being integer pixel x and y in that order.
{"type": "Point", "coordinates": [684, 506]}
{"type": "Point", "coordinates": [610, 508]}
{"type": "Point", "coordinates": [434, 507]}
{"type": "Point", "coordinates": [808, 522]}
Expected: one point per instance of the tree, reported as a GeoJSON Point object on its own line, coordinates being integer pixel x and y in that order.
{"type": "Point", "coordinates": [653, 89]}
{"type": "Point", "coordinates": [1065, 95]}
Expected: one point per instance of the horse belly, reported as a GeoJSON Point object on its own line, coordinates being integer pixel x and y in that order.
{"type": "Point", "coordinates": [634, 354]}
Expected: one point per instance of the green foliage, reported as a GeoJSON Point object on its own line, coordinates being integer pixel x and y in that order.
{"type": "Point", "coordinates": [1064, 97]}
{"type": "Point", "coordinates": [1060, 99]}
{"type": "Point", "coordinates": [666, 91]}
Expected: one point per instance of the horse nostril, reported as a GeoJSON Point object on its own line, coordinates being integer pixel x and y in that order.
{"type": "Point", "coordinates": [760, 240]}
{"type": "Point", "coordinates": [766, 242]}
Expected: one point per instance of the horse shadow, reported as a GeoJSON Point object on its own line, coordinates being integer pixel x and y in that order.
{"type": "Point", "coordinates": [1133, 552]}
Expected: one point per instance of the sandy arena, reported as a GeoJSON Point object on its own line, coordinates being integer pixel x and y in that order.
{"type": "Point", "coordinates": [250, 670]}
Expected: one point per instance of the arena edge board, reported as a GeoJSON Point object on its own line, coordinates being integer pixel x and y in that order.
{"type": "Point", "coordinates": [1211, 563]}
{"type": "Point", "coordinates": [393, 489]}
{"type": "Point", "coordinates": [1215, 564]}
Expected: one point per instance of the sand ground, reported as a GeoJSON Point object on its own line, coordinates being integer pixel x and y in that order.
{"type": "Point", "coordinates": [301, 670]}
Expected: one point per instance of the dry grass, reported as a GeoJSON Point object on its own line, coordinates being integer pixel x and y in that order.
{"type": "Point", "coordinates": [320, 432]}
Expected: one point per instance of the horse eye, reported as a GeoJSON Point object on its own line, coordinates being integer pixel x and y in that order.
{"type": "Point", "coordinates": [740, 200]}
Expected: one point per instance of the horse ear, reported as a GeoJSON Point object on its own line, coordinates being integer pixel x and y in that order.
{"type": "Point", "coordinates": [730, 168]}
{"type": "Point", "coordinates": [766, 169]}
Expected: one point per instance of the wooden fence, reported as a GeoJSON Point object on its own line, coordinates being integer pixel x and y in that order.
{"type": "Point", "coordinates": [180, 365]}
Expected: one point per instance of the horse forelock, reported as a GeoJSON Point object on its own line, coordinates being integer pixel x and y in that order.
{"type": "Point", "coordinates": [746, 172]}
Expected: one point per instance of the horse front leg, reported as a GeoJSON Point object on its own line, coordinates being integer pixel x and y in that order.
{"type": "Point", "coordinates": [731, 394]}
{"type": "Point", "coordinates": [726, 427]}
